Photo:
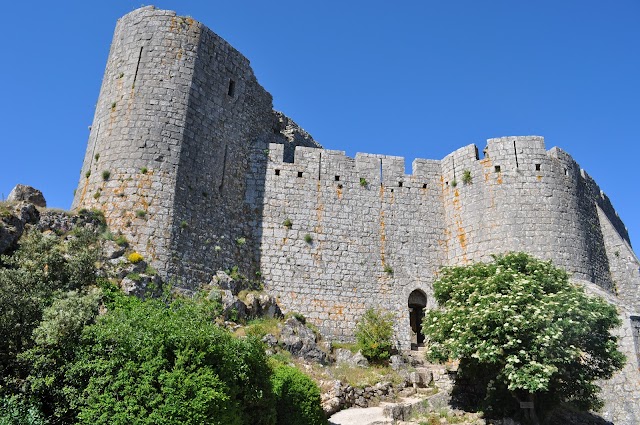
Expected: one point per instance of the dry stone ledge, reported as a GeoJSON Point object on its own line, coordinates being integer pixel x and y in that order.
{"type": "Point", "coordinates": [26, 193]}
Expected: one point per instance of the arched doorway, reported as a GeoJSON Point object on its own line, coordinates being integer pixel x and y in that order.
{"type": "Point", "coordinates": [417, 303]}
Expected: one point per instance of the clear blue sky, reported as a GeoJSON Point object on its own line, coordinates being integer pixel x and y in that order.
{"type": "Point", "coordinates": [407, 78]}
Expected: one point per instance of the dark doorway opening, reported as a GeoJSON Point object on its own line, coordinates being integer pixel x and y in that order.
{"type": "Point", "coordinates": [417, 303]}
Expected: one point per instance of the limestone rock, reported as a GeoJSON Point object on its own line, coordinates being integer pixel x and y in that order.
{"type": "Point", "coordinates": [27, 193]}
{"type": "Point", "coordinates": [232, 308]}
{"type": "Point", "coordinates": [343, 355]}
{"type": "Point", "coordinates": [262, 305]}
{"type": "Point", "coordinates": [141, 285]}
{"type": "Point", "coordinates": [301, 341]}
{"type": "Point", "coordinates": [27, 213]}
{"type": "Point", "coordinates": [112, 250]}
{"type": "Point", "coordinates": [224, 281]}
{"type": "Point", "coordinates": [11, 228]}
{"type": "Point", "coordinates": [396, 362]}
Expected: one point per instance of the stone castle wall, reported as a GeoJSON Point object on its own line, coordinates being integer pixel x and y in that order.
{"type": "Point", "coordinates": [203, 176]}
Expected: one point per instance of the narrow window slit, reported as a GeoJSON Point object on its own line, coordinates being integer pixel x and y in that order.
{"type": "Point", "coordinates": [277, 172]}
{"type": "Point", "coordinates": [232, 88]}
{"type": "Point", "coordinates": [135, 76]}
{"type": "Point", "coordinates": [424, 185]}
{"type": "Point", "coordinates": [399, 184]}
{"type": "Point", "coordinates": [337, 178]}
{"type": "Point", "coordinates": [224, 167]}
{"type": "Point", "coordinates": [537, 167]}
{"type": "Point", "coordinates": [497, 168]}
{"type": "Point", "coordinates": [299, 173]}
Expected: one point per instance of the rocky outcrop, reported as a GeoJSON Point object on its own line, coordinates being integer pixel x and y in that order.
{"type": "Point", "coordinates": [28, 194]}
{"type": "Point", "coordinates": [299, 340]}
{"type": "Point", "coordinates": [14, 217]}
{"type": "Point", "coordinates": [342, 355]}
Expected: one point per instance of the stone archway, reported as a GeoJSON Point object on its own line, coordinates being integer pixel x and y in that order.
{"type": "Point", "coordinates": [417, 303]}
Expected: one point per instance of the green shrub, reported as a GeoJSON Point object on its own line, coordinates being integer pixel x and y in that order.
{"type": "Point", "coordinates": [144, 170]}
{"type": "Point", "coordinates": [297, 398]}
{"type": "Point", "coordinates": [87, 174]}
{"type": "Point", "coordinates": [241, 241]}
{"type": "Point", "coordinates": [147, 362]}
{"type": "Point", "coordinates": [287, 223]}
{"type": "Point", "coordinates": [373, 334]}
{"type": "Point", "coordinates": [121, 240]}
{"type": "Point", "coordinates": [454, 183]}
{"type": "Point", "coordinates": [141, 213]}
{"type": "Point", "coordinates": [363, 182]}
{"type": "Point", "coordinates": [106, 174]}
{"type": "Point", "coordinates": [388, 269]}
{"type": "Point", "coordinates": [308, 238]}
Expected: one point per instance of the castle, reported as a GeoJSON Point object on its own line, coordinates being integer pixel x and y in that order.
{"type": "Point", "coordinates": [187, 158]}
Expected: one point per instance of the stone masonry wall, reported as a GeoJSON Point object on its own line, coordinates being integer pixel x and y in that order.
{"type": "Point", "coordinates": [522, 198]}
{"type": "Point", "coordinates": [138, 129]}
{"type": "Point", "coordinates": [341, 235]}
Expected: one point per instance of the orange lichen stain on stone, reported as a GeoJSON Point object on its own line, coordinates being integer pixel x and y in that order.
{"type": "Point", "coordinates": [83, 192]}
{"type": "Point", "coordinates": [539, 177]}
{"type": "Point", "coordinates": [499, 179]}
{"type": "Point", "coordinates": [339, 191]}
{"type": "Point", "coordinates": [336, 310]}
{"type": "Point", "coordinates": [293, 295]}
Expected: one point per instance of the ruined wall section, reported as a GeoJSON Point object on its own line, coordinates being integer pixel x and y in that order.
{"type": "Point", "coordinates": [520, 197]}
{"type": "Point", "coordinates": [130, 167]}
{"type": "Point", "coordinates": [229, 124]}
{"type": "Point", "coordinates": [342, 234]}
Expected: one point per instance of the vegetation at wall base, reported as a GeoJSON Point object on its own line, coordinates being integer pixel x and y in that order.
{"type": "Point", "coordinates": [523, 331]}
{"type": "Point", "coordinates": [75, 349]}
{"type": "Point", "coordinates": [373, 335]}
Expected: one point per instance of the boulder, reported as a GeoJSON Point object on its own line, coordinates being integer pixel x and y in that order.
{"type": "Point", "coordinates": [141, 285]}
{"type": "Point", "coordinates": [301, 341]}
{"type": "Point", "coordinates": [27, 213]}
{"type": "Point", "coordinates": [345, 356]}
{"type": "Point", "coordinates": [11, 228]}
{"type": "Point", "coordinates": [262, 305]}
{"type": "Point", "coordinates": [27, 193]}
{"type": "Point", "coordinates": [232, 308]}
{"type": "Point", "coordinates": [224, 281]}
{"type": "Point", "coordinates": [112, 250]}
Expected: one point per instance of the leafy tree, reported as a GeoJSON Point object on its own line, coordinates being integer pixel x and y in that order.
{"type": "Point", "coordinates": [43, 268]}
{"type": "Point", "coordinates": [374, 334]}
{"type": "Point", "coordinates": [518, 325]}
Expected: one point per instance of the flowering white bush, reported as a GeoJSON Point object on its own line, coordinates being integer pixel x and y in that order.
{"type": "Point", "coordinates": [522, 329]}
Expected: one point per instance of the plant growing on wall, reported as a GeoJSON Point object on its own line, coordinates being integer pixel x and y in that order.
{"type": "Point", "coordinates": [308, 238]}
{"type": "Point", "coordinates": [363, 182]}
{"type": "Point", "coordinates": [287, 223]}
{"type": "Point", "coordinates": [454, 183]}
{"type": "Point", "coordinates": [241, 241]}
{"type": "Point", "coordinates": [388, 269]}
{"type": "Point", "coordinates": [106, 174]}
{"type": "Point", "coordinates": [144, 170]}
{"type": "Point", "coordinates": [521, 329]}
{"type": "Point", "coordinates": [466, 177]}
{"type": "Point", "coordinates": [141, 213]}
